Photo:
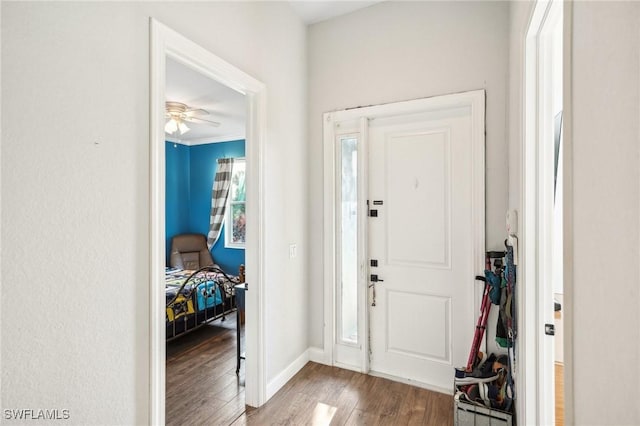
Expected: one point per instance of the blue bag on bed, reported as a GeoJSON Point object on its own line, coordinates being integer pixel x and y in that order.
{"type": "Point", "coordinates": [208, 295]}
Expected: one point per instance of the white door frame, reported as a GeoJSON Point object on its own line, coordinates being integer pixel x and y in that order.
{"type": "Point", "coordinates": [335, 353]}
{"type": "Point", "coordinates": [165, 42]}
{"type": "Point", "coordinates": [536, 368]}
{"type": "Point", "coordinates": [473, 99]}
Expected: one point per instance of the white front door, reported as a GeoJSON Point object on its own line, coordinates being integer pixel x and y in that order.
{"type": "Point", "coordinates": [426, 197]}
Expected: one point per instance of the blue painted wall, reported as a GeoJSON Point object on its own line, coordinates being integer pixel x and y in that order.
{"type": "Point", "coordinates": [202, 165]}
{"type": "Point", "coordinates": [203, 159]}
{"type": "Point", "coordinates": [176, 192]}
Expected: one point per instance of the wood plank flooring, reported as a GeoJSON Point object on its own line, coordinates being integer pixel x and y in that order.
{"type": "Point", "coordinates": [322, 395]}
{"type": "Point", "coordinates": [201, 383]}
{"type": "Point", "coordinates": [559, 367]}
{"type": "Point", "coordinates": [202, 389]}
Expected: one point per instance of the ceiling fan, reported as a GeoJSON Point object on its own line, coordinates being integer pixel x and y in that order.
{"type": "Point", "coordinates": [179, 113]}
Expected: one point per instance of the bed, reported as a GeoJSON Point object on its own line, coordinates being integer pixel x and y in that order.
{"type": "Point", "coordinates": [195, 298]}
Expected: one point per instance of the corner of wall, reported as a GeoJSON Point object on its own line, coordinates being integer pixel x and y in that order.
{"type": "Point", "coordinates": [318, 355]}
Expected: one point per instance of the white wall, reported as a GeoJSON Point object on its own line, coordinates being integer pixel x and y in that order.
{"type": "Point", "coordinates": [604, 292]}
{"type": "Point", "coordinates": [606, 211]}
{"type": "Point", "coordinates": [396, 51]}
{"type": "Point", "coordinates": [519, 14]}
{"type": "Point", "coordinates": [75, 191]}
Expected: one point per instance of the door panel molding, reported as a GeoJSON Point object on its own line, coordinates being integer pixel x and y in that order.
{"type": "Point", "coordinates": [409, 306]}
{"type": "Point", "coordinates": [396, 214]}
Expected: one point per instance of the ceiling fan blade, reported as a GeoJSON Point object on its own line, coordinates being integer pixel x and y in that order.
{"type": "Point", "coordinates": [198, 120]}
{"type": "Point", "coordinates": [199, 111]}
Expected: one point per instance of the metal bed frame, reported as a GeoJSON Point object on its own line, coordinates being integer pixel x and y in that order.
{"type": "Point", "coordinates": [182, 313]}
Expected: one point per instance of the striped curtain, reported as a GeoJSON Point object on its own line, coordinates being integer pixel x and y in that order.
{"type": "Point", "coordinates": [219, 195]}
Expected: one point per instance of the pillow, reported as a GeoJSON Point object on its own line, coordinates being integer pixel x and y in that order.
{"type": "Point", "coordinates": [191, 260]}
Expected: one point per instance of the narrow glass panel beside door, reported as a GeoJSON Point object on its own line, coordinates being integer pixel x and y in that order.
{"type": "Point", "coordinates": [348, 241]}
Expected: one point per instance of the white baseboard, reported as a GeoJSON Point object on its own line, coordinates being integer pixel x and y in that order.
{"type": "Point", "coordinates": [350, 367]}
{"type": "Point", "coordinates": [318, 355]}
{"type": "Point", "coordinates": [285, 375]}
{"type": "Point", "coordinates": [416, 383]}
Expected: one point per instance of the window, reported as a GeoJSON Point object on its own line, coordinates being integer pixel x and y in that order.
{"type": "Point", "coordinates": [348, 239]}
{"type": "Point", "coordinates": [235, 227]}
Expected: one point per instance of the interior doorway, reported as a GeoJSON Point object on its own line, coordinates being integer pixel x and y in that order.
{"type": "Point", "coordinates": [205, 133]}
{"type": "Point", "coordinates": [543, 224]}
{"type": "Point", "coordinates": [165, 44]}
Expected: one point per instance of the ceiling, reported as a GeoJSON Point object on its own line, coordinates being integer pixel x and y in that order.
{"type": "Point", "coordinates": [312, 11]}
{"type": "Point", "coordinates": [225, 105]}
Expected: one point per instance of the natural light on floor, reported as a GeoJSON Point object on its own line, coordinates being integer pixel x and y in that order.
{"type": "Point", "coordinates": [323, 414]}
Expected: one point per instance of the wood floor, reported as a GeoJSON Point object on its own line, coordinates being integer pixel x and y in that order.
{"type": "Point", "coordinates": [201, 383]}
{"type": "Point", "coordinates": [203, 389]}
{"type": "Point", "coordinates": [559, 372]}
{"type": "Point", "coordinates": [322, 395]}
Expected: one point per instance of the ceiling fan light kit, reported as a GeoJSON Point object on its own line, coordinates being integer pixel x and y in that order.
{"type": "Point", "coordinates": [179, 113]}
{"type": "Point", "coordinates": [183, 128]}
{"type": "Point", "coordinates": [171, 127]}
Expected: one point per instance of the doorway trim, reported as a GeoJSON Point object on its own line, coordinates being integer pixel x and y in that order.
{"type": "Point", "coordinates": [472, 99]}
{"type": "Point", "coordinates": [534, 368]}
{"type": "Point", "coordinates": [165, 42]}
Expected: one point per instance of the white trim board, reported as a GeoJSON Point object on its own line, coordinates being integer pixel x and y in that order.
{"type": "Point", "coordinates": [535, 366]}
{"type": "Point", "coordinates": [317, 355]}
{"type": "Point", "coordinates": [204, 141]}
{"type": "Point", "coordinates": [285, 375]}
{"type": "Point", "coordinates": [165, 42]}
{"type": "Point", "coordinates": [567, 163]}
{"type": "Point", "coordinates": [447, 391]}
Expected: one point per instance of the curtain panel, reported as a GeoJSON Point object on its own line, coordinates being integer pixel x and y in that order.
{"type": "Point", "coordinates": [219, 194]}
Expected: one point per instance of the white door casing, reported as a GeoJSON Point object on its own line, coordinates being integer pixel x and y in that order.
{"type": "Point", "coordinates": [351, 354]}
{"type": "Point", "coordinates": [426, 159]}
{"type": "Point", "coordinates": [165, 42]}
{"type": "Point", "coordinates": [537, 378]}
